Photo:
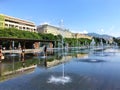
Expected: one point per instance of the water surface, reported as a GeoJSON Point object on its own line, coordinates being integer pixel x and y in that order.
{"type": "Point", "coordinates": [87, 70]}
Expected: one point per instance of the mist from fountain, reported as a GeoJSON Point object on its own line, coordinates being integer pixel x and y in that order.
{"type": "Point", "coordinates": [101, 47]}
{"type": "Point", "coordinates": [101, 44]}
{"type": "Point", "coordinates": [115, 45]}
{"type": "Point", "coordinates": [60, 79]}
{"type": "Point", "coordinates": [92, 44]}
{"type": "Point", "coordinates": [13, 54]}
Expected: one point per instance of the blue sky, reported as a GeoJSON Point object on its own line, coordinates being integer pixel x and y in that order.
{"type": "Point", "coordinates": [99, 16]}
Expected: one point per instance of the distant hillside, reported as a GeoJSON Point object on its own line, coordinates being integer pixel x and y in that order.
{"type": "Point", "coordinates": [118, 37]}
{"type": "Point", "coordinates": [100, 36]}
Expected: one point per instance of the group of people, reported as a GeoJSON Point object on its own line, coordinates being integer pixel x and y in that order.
{"type": "Point", "coordinates": [22, 53]}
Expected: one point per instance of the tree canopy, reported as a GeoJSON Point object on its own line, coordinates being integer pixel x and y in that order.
{"type": "Point", "coordinates": [16, 33]}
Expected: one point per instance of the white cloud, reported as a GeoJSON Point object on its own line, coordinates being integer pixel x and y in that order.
{"type": "Point", "coordinates": [80, 31]}
{"type": "Point", "coordinates": [112, 28]}
{"type": "Point", "coordinates": [45, 23]}
{"type": "Point", "coordinates": [113, 31]}
{"type": "Point", "coordinates": [102, 30]}
{"type": "Point", "coordinates": [84, 32]}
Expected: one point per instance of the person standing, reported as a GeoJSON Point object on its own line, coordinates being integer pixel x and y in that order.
{"type": "Point", "coordinates": [45, 50]}
{"type": "Point", "coordinates": [23, 53]}
{"type": "Point", "coordinates": [1, 55]}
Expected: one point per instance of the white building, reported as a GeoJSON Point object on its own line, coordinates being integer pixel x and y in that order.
{"type": "Point", "coordinates": [54, 30]}
{"type": "Point", "coordinates": [12, 22]}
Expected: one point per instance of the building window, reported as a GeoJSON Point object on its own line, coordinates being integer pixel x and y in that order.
{"type": "Point", "coordinates": [6, 24]}
{"type": "Point", "coordinates": [24, 28]}
{"type": "Point", "coordinates": [45, 31]}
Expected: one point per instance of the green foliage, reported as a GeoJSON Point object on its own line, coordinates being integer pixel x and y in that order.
{"type": "Point", "coordinates": [48, 37]}
{"type": "Point", "coordinates": [77, 42]}
{"type": "Point", "coordinates": [98, 40]}
{"type": "Point", "coordinates": [84, 41]}
{"type": "Point", "coordinates": [15, 33]}
{"type": "Point", "coordinates": [116, 40]}
{"type": "Point", "coordinates": [59, 37]}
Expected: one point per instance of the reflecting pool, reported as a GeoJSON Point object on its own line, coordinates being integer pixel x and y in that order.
{"type": "Point", "coordinates": [62, 70]}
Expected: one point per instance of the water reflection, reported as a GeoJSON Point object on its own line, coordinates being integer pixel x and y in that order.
{"type": "Point", "coordinates": [51, 61]}
{"type": "Point", "coordinates": [90, 60]}
{"type": "Point", "coordinates": [91, 73]}
{"type": "Point", "coordinates": [14, 63]}
{"type": "Point", "coordinates": [62, 79]}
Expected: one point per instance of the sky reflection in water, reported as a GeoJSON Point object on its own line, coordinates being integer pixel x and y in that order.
{"type": "Point", "coordinates": [87, 72]}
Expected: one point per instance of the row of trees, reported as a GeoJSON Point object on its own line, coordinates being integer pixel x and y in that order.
{"type": "Point", "coordinates": [15, 33]}
{"type": "Point", "coordinates": [77, 42]}
{"type": "Point", "coordinates": [115, 40]}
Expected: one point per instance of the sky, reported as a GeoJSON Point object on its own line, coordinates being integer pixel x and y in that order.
{"type": "Point", "coordinates": [79, 16]}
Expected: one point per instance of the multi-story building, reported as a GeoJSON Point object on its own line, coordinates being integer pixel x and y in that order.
{"type": "Point", "coordinates": [12, 22]}
{"type": "Point", "coordinates": [45, 28]}
{"type": "Point", "coordinates": [79, 35]}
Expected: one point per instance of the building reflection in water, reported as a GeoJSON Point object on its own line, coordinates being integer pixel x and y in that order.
{"type": "Point", "coordinates": [15, 64]}
{"type": "Point", "coordinates": [48, 62]}
{"type": "Point", "coordinates": [81, 55]}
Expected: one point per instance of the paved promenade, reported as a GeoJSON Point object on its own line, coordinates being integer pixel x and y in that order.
{"type": "Point", "coordinates": [20, 51]}
{"type": "Point", "coordinates": [48, 49]}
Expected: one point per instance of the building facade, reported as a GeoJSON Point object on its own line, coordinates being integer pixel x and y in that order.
{"type": "Point", "coordinates": [79, 35]}
{"type": "Point", "coordinates": [54, 30]}
{"type": "Point", "coordinates": [45, 28]}
{"type": "Point", "coordinates": [12, 22]}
